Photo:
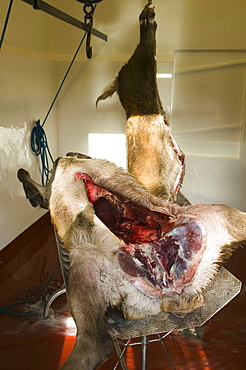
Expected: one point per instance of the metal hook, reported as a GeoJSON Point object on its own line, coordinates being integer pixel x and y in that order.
{"type": "Point", "coordinates": [88, 44]}
{"type": "Point", "coordinates": [88, 20]}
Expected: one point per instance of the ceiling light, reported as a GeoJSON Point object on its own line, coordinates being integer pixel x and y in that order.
{"type": "Point", "coordinates": [164, 75]}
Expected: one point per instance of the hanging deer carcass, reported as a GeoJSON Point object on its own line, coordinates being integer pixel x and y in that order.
{"type": "Point", "coordinates": [129, 245]}
{"type": "Point", "coordinates": [153, 155]}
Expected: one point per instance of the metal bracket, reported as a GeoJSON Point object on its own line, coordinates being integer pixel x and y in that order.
{"type": "Point", "coordinates": [49, 9]}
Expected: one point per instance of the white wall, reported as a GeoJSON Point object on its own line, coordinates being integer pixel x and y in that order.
{"type": "Point", "coordinates": [78, 115]}
{"type": "Point", "coordinates": [27, 88]}
{"type": "Point", "coordinates": [28, 84]}
{"type": "Point", "coordinates": [208, 179]}
{"type": "Point", "coordinates": [208, 121]}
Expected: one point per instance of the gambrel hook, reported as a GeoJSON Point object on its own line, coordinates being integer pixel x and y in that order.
{"type": "Point", "coordinates": [89, 9]}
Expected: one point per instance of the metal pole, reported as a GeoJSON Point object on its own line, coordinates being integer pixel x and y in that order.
{"type": "Point", "coordinates": [120, 354]}
{"type": "Point", "coordinates": [52, 297]}
{"type": "Point", "coordinates": [49, 9]}
{"type": "Point", "coordinates": [144, 352]}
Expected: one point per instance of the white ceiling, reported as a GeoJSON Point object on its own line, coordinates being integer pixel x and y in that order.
{"type": "Point", "coordinates": [182, 24]}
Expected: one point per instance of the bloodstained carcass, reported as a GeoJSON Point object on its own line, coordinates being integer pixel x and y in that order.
{"type": "Point", "coordinates": [129, 249]}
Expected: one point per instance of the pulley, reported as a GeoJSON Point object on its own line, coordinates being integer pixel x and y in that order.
{"type": "Point", "coordinates": [88, 21]}
{"type": "Point", "coordinates": [89, 8]}
{"type": "Point", "coordinates": [89, 1]}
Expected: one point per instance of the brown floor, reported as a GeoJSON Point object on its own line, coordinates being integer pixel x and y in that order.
{"type": "Point", "coordinates": [31, 343]}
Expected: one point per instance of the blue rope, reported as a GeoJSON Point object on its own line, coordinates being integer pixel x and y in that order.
{"type": "Point", "coordinates": [39, 143]}
{"type": "Point", "coordinates": [40, 147]}
{"type": "Point", "coordinates": [5, 309]}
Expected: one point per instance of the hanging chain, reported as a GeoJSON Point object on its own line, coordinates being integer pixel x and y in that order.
{"type": "Point", "coordinates": [89, 9]}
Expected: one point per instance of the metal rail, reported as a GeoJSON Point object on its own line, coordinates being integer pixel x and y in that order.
{"type": "Point", "coordinates": [51, 10]}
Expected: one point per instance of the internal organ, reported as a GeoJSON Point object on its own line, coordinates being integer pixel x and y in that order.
{"type": "Point", "coordinates": [159, 254]}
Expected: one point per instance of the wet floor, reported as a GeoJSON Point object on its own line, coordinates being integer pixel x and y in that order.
{"type": "Point", "coordinates": [28, 342]}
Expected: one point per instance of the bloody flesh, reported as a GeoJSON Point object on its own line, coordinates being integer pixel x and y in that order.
{"type": "Point", "coordinates": [164, 252]}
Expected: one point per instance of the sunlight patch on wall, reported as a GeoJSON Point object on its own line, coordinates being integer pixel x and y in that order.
{"type": "Point", "coordinates": [14, 150]}
{"type": "Point", "coordinates": [15, 211]}
{"type": "Point", "coordinates": [108, 146]}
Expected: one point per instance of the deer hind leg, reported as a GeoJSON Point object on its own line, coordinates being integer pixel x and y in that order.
{"type": "Point", "coordinates": [93, 343]}
{"type": "Point", "coordinates": [149, 46]}
{"type": "Point", "coordinates": [35, 193]}
{"type": "Point", "coordinates": [144, 17]}
{"type": "Point", "coordinates": [136, 83]}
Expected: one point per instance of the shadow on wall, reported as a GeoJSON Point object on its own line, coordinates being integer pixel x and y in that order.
{"type": "Point", "coordinates": [15, 152]}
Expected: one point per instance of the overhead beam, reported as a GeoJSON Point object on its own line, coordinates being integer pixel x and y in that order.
{"type": "Point", "coordinates": [51, 10]}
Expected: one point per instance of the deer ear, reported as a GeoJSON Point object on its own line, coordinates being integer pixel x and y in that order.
{"type": "Point", "coordinates": [77, 155]}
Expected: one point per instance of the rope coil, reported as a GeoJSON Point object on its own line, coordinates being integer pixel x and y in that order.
{"type": "Point", "coordinates": [39, 145]}
{"type": "Point", "coordinates": [39, 142]}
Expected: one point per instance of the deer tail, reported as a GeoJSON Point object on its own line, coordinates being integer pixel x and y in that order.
{"type": "Point", "coordinates": [107, 93]}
